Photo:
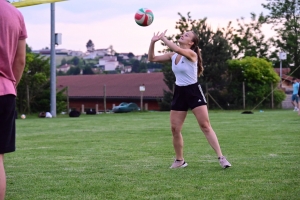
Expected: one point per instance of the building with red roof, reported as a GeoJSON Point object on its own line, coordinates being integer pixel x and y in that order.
{"type": "Point", "coordinates": [88, 91]}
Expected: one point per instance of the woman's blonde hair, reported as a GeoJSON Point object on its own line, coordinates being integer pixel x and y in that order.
{"type": "Point", "coordinates": [197, 50]}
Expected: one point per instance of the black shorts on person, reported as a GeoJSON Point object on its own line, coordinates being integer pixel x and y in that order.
{"type": "Point", "coordinates": [7, 124]}
{"type": "Point", "coordinates": [185, 97]}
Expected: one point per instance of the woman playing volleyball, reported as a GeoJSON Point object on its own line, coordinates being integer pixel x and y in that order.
{"type": "Point", "coordinates": [187, 67]}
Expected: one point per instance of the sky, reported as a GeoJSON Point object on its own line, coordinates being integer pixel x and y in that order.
{"type": "Point", "coordinates": [111, 22]}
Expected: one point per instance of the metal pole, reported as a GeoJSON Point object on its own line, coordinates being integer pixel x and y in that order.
{"type": "Point", "coordinates": [141, 101]}
{"type": "Point", "coordinates": [280, 73]}
{"type": "Point", "coordinates": [52, 63]}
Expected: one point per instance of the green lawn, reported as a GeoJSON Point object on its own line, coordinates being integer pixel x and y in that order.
{"type": "Point", "coordinates": [127, 156]}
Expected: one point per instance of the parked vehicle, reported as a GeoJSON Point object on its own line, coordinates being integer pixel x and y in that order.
{"type": "Point", "coordinates": [125, 107]}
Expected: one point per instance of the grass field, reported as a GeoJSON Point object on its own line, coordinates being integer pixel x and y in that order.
{"type": "Point", "coordinates": [127, 156]}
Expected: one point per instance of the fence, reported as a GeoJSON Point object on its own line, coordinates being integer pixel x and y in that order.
{"type": "Point", "coordinates": [243, 96]}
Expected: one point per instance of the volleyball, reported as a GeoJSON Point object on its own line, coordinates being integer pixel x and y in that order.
{"type": "Point", "coordinates": [23, 116]}
{"type": "Point", "coordinates": [144, 17]}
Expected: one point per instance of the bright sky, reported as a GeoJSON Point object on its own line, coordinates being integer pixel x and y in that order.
{"type": "Point", "coordinates": [111, 22]}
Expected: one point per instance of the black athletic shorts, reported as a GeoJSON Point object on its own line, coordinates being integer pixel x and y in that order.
{"type": "Point", "coordinates": [185, 97]}
{"type": "Point", "coordinates": [7, 124]}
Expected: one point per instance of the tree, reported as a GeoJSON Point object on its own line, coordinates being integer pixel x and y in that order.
{"type": "Point", "coordinates": [284, 17]}
{"type": "Point", "coordinates": [152, 65]}
{"type": "Point", "coordinates": [35, 75]}
{"type": "Point", "coordinates": [135, 66]}
{"type": "Point", "coordinates": [169, 79]}
{"type": "Point", "coordinates": [28, 49]}
{"type": "Point", "coordinates": [42, 102]}
{"type": "Point", "coordinates": [34, 83]}
{"type": "Point", "coordinates": [248, 39]}
{"type": "Point", "coordinates": [221, 45]}
{"type": "Point", "coordinates": [60, 73]}
{"type": "Point", "coordinates": [143, 67]}
{"type": "Point", "coordinates": [138, 66]}
{"type": "Point", "coordinates": [130, 55]}
{"type": "Point", "coordinates": [87, 70]}
{"type": "Point", "coordinates": [63, 62]}
{"type": "Point", "coordinates": [90, 45]}
{"type": "Point", "coordinates": [76, 60]}
{"type": "Point", "coordinates": [74, 71]}
{"type": "Point", "coordinates": [215, 49]}
{"type": "Point", "coordinates": [258, 75]}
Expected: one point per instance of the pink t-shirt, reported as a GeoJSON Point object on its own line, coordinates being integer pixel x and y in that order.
{"type": "Point", "coordinates": [12, 29]}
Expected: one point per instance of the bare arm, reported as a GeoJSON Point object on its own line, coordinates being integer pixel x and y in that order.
{"type": "Point", "coordinates": [188, 53]}
{"type": "Point", "coordinates": [151, 56]}
{"type": "Point", "coordinates": [19, 61]}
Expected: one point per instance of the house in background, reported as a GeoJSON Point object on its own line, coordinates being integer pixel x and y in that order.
{"type": "Point", "coordinates": [123, 69]}
{"type": "Point", "coordinates": [64, 68]}
{"type": "Point", "coordinates": [87, 91]}
{"type": "Point", "coordinates": [109, 63]}
{"type": "Point", "coordinates": [47, 52]}
{"type": "Point", "coordinates": [126, 69]}
{"type": "Point", "coordinates": [287, 86]}
{"type": "Point", "coordinates": [142, 58]}
{"type": "Point", "coordinates": [124, 56]}
{"type": "Point", "coordinates": [286, 80]}
{"type": "Point", "coordinates": [76, 53]}
{"type": "Point", "coordinates": [92, 54]}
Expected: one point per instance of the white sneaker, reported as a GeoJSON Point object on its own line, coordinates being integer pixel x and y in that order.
{"type": "Point", "coordinates": [178, 164]}
{"type": "Point", "coordinates": [224, 163]}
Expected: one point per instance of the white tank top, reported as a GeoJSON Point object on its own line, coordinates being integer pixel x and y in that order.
{"type": "Point", "coordinates": [185, 71]}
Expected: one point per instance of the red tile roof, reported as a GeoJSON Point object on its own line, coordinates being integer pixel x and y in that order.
{"type": "Point", "coordinates": [289, 78]}
{"type": "Point", "coordinates": [117, 85]}
{"type": "Point", "coordinates": [283, 70]}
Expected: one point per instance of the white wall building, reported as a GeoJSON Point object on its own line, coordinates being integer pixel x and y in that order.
{"type": "Point", "coordinates": [101, 52]}
{"type": "Point", "coordinates": [89, 56]}
{"type": "Point", "coordinates": [76, 53]}
{"type": "Point", "coordinates": [96, 53]}
{"type": "Point", "coordinates": [138, 57]}
{"type": "Point", "coordinates": [124, 56]}
{"type": "Point", "coordinates": [127, 69]}
{"type": "Point", "coordinates": [64, 68]}
{"type": "Point", "coordinates": [110, 63]}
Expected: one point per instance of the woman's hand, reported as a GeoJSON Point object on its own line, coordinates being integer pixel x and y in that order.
{"type": "Point", "coordinates": [163, 34]}
{"type": "Point", "coordinates": [158, 36]}
{"type": "Point", "coordinates": [155, 37]}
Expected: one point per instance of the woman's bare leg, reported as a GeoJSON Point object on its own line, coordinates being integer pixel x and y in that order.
{"type": "Point", "coordinates": [201, 115]}
{"type": "Point", "coordinates": [176, 119]}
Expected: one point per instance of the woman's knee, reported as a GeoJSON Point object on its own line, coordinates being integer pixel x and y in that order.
{"type": "Point", "coordinates": [205, 127]}
{"type": "Point", "coordinates": [175, 130]}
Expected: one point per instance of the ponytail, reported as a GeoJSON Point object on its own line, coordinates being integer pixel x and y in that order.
{"type": "Point", "coordinates": [197, 50]}
{"type": "Point", "coordinates": [199, 58]}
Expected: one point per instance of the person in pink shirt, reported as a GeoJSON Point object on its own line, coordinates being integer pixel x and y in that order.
{"type": "Point", "coordinates": [12, 62]}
